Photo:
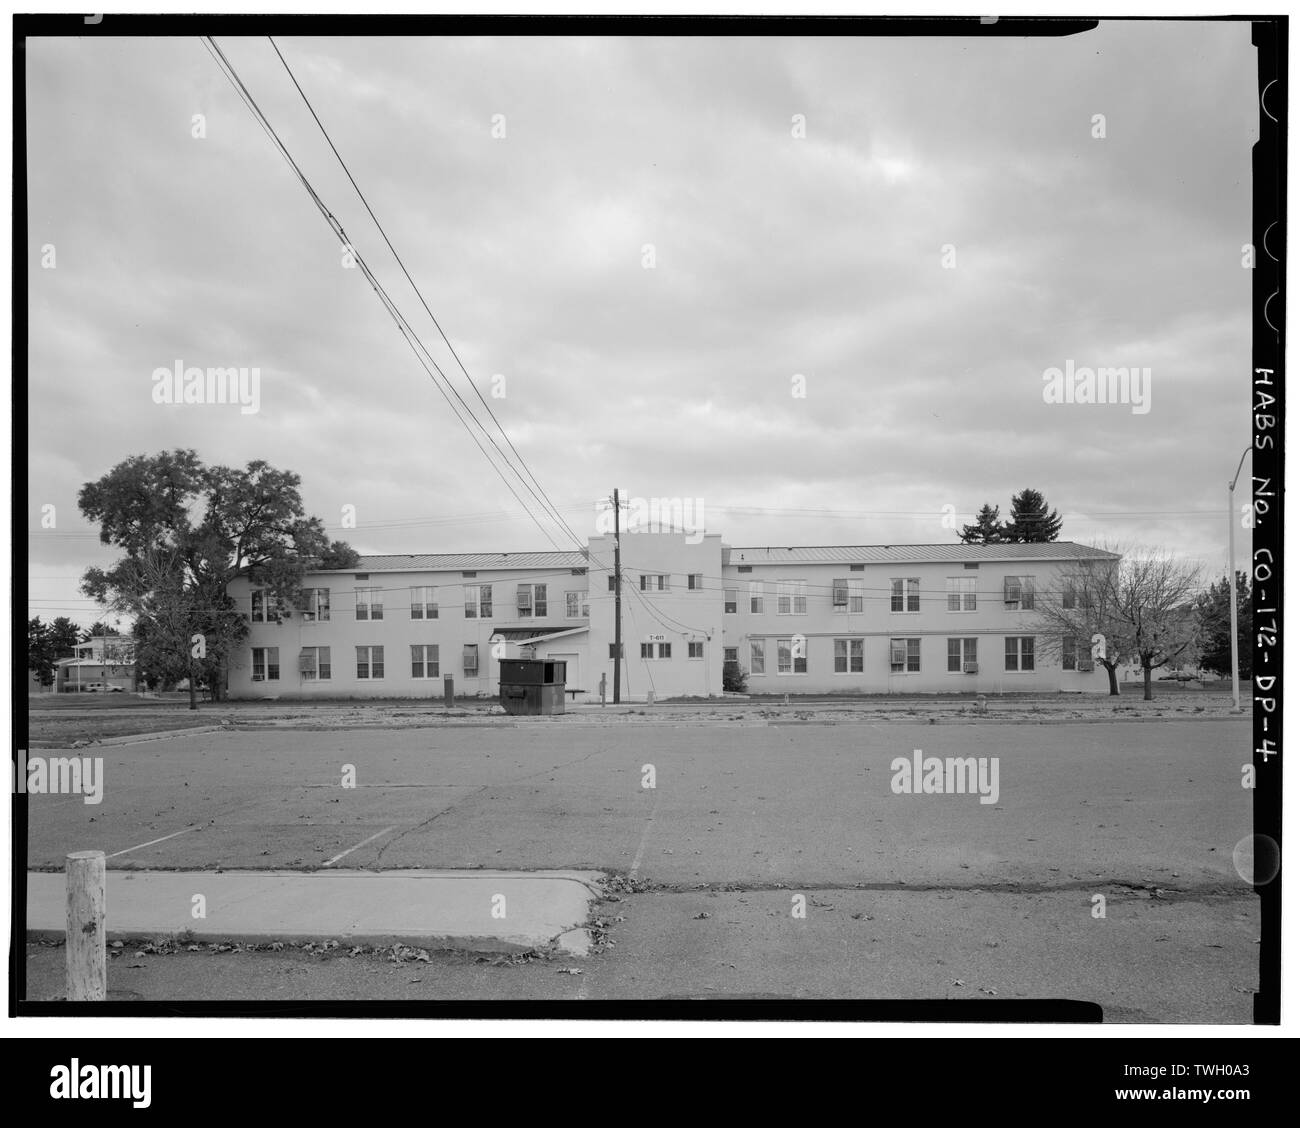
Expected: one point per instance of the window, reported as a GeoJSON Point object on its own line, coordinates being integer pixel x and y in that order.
{"type": "Point", "coordinates": [654, 581]}
{"type": "Point", "coordinates": [961, 593]}
{"type": "Point", "coordinates": [1020, 653]}
{"type": "Point", "coordinates": [791, 598]}
{"type": "Point", "coordinates": [846, 595]}
{"type": "Point", "coordinates": [314, 663]}
{"type": "Point", "coordinates": [665, 650]}
{"type": "Point", "coordinates": [757, 655]}
{"type": "Point", "coordinates": [370, 663]}
{"type": "Point", "coordinates": [316, 606]}
{"type": "Point", "coordinates": [530, 600]}
{"type": "Point", "coordinates": [478, 601]}
{"type": "Point", "coordinates": [469, 659]}
{"type": "Point", "coordinates": [1073, 655]}
{"type": "Point", "coordinates": [731, 653]}
{"type": "Point", "coordinates": [745, 568]}
{"type": "Point", "coordinates": [857, 567]}
{"type": "Point", "coordinates": [730, 597]}
{"type": "Point", "coordinates": [370, 603]}
{"type": "Point", "coordinates": [905, 595]}
{"type": "Point", "coordinates": [613, 653]}
{"type": "Point", "coordinates": [575, 605]}
{"type": "Point", "coordinates": [647, 650]}
{"type": "Point", "coordinates": [266, 663]}
{"type": "Point", "coordinates": [695, 650]}
{"type": "Point", "coordinates": [265, 607]}
{"type": "Point", "coordinates": [904, 655]}
{"type": "Point", "coordinates": [961, 652]}
{"type": "Point", "coordinates": [1074, 594]}
{"type": "Point", "coordinates": [787, 661]}
{"type": "Point", "coordinates": [755, 597]}
{"type": "Point", "coordinates": [695, 581]}
{"type": "Point", "coordinates": [424, 661]}
{"type": "Point", "coordinates": [848, 655]}
{"type": "Point", "coordinates": [1018, 593]}
{"type": "Point", "coordinates": [424, 603]}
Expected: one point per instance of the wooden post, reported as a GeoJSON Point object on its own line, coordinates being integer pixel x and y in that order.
{"type": "Point", "coordinates": [86, 980]}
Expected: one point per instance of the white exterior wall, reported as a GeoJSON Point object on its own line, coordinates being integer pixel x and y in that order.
{"type": "Point", "coordinates": [990, 623]}
{"type": "Point", "coordinates": [677, 616]}
{"type": "Point", "coordinates": [397, 632]}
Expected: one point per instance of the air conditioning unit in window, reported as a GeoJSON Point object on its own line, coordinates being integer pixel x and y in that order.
{"type": "Point", "coordinates": [258, 677]}
{"type": "Point", "coordinates": [1086, 666]}
{"type": "Point", "coordinates": [840, 599]}
{"type": "Point", "coordinates": [970, 667]}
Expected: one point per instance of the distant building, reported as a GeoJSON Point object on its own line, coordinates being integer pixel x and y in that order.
{"type": "Point", "coordinates": [103, 662]}
{"type": "Point", "coordinates": [948, 618]}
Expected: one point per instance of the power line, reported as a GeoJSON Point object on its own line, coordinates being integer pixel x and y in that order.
{"type": "Point", "coordinates": [412, 338]}
{"type": "Point", "coordinates": [545, 498]}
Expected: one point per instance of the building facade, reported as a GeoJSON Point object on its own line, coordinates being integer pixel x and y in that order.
{"type": "Point", "coordinates": [890, 619]}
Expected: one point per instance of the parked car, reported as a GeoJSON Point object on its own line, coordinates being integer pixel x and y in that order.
{"type": "Point", "coordinates": [101, 687]}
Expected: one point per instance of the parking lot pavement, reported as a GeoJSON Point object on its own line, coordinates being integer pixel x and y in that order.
{"type": "Point", "coordinates": [1135, 812]}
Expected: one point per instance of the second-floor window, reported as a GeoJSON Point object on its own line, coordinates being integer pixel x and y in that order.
{"type": "Point", "coordinates": [792, 598]}
{"type": "Point", "coordinates": [654, 581]}
{"type": "Point", "coordinates": [265, 606]}
{"type": "Point", "coordinates": [755, 597]}
{"type": "Point", "coordinates": [424, 603]}
{"type": "Point", "coordinates": [530, 600]}
{"type": "Point", "coordinates": [478, 601]}
{"type": "Point", "coordinates": [1018, 593]}
{"type": "Point", "coordinates": [575, 605]}
{"type": "Point", "coordinates": [961, 593]}
{"type": "Point", "coordinates": [370, 603]}
{"type": "Point", "coordinates": [905, 595]}
{"type": "Point", "coordinates": [730, 596]}
{"type": "Point", "coordinates": [316, 605]}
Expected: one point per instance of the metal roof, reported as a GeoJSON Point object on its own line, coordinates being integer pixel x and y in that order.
{"type": "Point", "coordinates": [955, 553]}
{"type": "Point", "coordinates": [468, 562]}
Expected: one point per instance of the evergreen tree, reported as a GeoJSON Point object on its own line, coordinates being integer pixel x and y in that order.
{"type": "Point", "coordinates": [987, 529]}
{"type": "Point", "coordinates": [1031, 522]}
{"type": "Point", "coordinates": [1214, 612]}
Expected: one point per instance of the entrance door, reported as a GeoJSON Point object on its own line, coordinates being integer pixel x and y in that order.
{"type": "Point", "coordinates": [572, 677]}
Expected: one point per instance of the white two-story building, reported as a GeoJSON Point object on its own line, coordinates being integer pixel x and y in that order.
{"type": "Point", "coordinates": [947, 618]}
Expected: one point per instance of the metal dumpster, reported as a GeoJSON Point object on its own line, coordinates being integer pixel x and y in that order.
{"type": "Point", "coordinates": [532, 687]}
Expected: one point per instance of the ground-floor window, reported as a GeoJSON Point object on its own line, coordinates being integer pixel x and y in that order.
{"type": "Point", "coordinates": [314, 663]}
{"type": "Point", "coordinates": [962, 654]}
{"type": "Point", "coordinates": [731, 653]}
{"type": "Point", "coordinates": [370, 663]}
{"type": "Point", "coordinates": [1020, 653]}
{"type": "Point", "coordinates": [905, 655]}
{"type": "Point", "coordinates": [266, 663]}
{"type": "Point", "coordinates": [757, 655]}
{"type": "Point", "coordinates": [424, 661]}
{"type": "Point", "coordinates": [848, 655]}
{"type": "Point", "coordinates": [791, 656]}
{"type": "Point", "coordinates": [469, 660]}
{"type": "Point", "coordinates": [695, 650]}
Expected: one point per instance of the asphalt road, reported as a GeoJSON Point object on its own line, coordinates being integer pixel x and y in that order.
{"type": "Point", "coordinates": [1145, 814]}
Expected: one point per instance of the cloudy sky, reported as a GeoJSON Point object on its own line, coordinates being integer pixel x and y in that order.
{"type": "Point", "coordinates": [773, 255]}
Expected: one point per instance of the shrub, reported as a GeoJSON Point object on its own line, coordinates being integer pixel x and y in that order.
{"type": "Point", "coordinates": [733, 678]}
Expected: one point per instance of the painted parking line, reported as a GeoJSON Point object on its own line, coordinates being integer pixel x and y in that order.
{"type": "Point", "coordinates": [350, 849]}
{"type": "Point", "coordinates": [153, 842]}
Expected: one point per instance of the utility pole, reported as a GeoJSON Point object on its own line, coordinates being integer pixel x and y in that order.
{"type": "Point", "coordinates": [618, 607]}
{"type": "Point", "coordinates": [1232, 583]}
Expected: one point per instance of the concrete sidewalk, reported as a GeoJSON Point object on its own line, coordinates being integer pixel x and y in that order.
{"type": "Point", "coordinates": [478, 910]}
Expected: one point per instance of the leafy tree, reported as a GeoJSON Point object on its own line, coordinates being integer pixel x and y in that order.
{"type": "Point", "coordinates": [1213, 607]}
{"type": "Point", "coordinates": [187, 531]}
{"type": "Point", "coordinates": [47, 643]}
{"type": "Point", "coordinates": [1031, 522]}
{"type": "Point", "coordinates": [987, 529]}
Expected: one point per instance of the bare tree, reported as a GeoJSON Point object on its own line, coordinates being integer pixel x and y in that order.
{"type": "Point", "coordinates": [1142, 605]}
{"type": "Point", "coordinates": [1084, 606]}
